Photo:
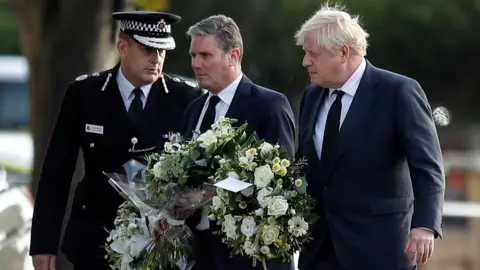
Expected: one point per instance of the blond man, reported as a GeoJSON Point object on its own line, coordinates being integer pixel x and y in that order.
{"type": "Point", "coordinates": [375, 164]}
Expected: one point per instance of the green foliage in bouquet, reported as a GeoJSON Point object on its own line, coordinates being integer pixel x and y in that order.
{"type": "Point", "coordinates": [191, 163]}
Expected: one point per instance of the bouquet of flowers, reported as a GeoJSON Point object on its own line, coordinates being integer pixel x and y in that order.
{"type": "Point", "coordinates": [270, 217]}
{"type": "Point", "coordinates": [171, 186]}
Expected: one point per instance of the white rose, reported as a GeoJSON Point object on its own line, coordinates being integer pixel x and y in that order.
{"type": "Point", "coordinates": [247, 192]}
{"type": "Point", "coordinates": [266, 149]}
{"type": "Point", "coordinates": [277, 206]}
{"type": "Point", "coordinates": [263, 176]}
{"type": "Point", "coordinates": [270, 234]}
{"type": "Point", "coordinates": [207, 139]}
{"type": "Point", "coordinates": [248, 227]}
{"type": "Point", "coordinates": [262, 196]}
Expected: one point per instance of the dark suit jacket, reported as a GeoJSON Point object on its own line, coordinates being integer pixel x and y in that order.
{"type": "Point", "coordinates": [95, 203]}
{"type": "Point", "coordinates": [386, 176]}
{"type": "Point", "coordinates": [269, 114]}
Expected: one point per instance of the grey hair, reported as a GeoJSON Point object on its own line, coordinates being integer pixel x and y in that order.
{"type": "Point", "coordinates": [334, 28]}
{"type": "Point", "coordinates": [224, 29]}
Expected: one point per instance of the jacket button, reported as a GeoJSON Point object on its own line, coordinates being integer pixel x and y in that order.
{"type": "Point", "coordinates": [83, 207]}
{"type": "Point", "coordinates": [92, 145]}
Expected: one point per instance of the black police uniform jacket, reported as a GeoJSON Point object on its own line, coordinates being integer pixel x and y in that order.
{"type": "Point", "coordinates": [93, 118]}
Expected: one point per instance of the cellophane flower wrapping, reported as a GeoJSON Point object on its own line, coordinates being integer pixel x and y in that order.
{"type": "Point", "coordinates": [168, 186]}
{"type": "Point", "coordinates": [271, 218]}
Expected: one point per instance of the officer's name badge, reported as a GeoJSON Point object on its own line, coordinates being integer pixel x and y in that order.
{"type": "Point", "coordinates": [89, 128]}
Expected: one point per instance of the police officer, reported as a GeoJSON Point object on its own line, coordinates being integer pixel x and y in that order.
{"type": "Point", "coordinates": [113, 116]}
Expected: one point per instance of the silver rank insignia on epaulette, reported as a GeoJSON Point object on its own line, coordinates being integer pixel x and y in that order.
{"type": "Point", "coordinates": [81, 77]}
{"type": "Point", "coordinates": [175, 79]}
{"type": "Point", "coordinates": [134, 141]}
{"type": "Point", "coordinates": [191, 84]}
{"type": "Point", "coordinates": [106, 81]}
{"type": "Point", "coordinates": [96, 74]}
{"type": "Point", "coordinates": [164, 84]}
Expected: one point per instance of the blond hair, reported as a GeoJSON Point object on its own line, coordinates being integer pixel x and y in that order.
{"type": "Point", "coordinates": [334, 28]}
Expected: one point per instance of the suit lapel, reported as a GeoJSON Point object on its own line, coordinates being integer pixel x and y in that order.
{"type": "Point", "coordinates": [240, 101]}
{"type": "Point", "coordinates": [361, 105]}
{"type": "Point", "coordinates": [113, 102]}
{"type": "Point", "coordinates": [195, 112]}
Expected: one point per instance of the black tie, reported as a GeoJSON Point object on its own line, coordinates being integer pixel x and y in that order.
{"type": "Point", "coordinates": [332, 126]}
{"type": "Point", "coordinates": [209, 117]}
{"type": "Point", "coordinates": [136, 107]}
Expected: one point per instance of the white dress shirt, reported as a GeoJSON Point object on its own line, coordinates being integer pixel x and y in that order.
{"type": "Point", "coordinates": [226, 97]}
{"type": "Point", "coordinates": [350, 88]}
{"type": "Point", "coordinates": [126, 89]}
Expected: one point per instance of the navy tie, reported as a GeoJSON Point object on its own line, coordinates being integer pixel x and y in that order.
{"type": "Point", "coordinates": [209, 117]}
{"type": "Point", "coordinates": [136, 107]}
{"type": "Point", "coordinates": [332, 126]}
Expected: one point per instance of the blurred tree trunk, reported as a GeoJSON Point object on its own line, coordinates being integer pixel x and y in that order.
{"type": "Point", "coordinates": [62, 40]}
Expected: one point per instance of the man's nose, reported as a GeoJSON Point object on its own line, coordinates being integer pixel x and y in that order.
{"type": "Point", "coordinates": [196, 62]}
{"type": "Point", "coordinates": [306, 61]}
{"type": "Point", "coordinates": [156, 55]}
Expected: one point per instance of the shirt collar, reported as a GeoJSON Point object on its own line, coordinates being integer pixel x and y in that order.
{"type": "Point", "coordinates": [351, 86]}
{"type": "Point", "coordinates": [227, 94]}
{"type": "Point", "coordinates": [126, 87]}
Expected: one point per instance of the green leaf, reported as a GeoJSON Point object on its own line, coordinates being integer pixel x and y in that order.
{"type": "Point", "coordinates": [194, 154]}
{"type": "Point", "coordinates": [201, 162]}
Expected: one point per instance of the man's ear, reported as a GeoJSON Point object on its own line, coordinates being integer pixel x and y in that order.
{"type": "Point", "coordinates": [234, 56]}
{"type": "Point", "coordinates": [344, 53]}
{"type": "Point", "coordinates": [122, 46]}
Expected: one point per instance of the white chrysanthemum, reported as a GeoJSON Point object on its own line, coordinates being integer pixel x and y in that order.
{"type": "Point", "coordinates": [249, 248]}
{"type": "Point", "coordinates": [297, 226]}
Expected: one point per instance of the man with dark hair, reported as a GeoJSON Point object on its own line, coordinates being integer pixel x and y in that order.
{"type": "Point", "coordinates": [216, 49]}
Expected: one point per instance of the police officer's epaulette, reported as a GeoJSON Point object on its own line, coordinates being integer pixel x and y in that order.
{"type": "Point", "coordinates": [180, 81]}
{"type": "Point", "coordinates": [185, 85]}
{"type": "Point", "coordinates": [96, 77]}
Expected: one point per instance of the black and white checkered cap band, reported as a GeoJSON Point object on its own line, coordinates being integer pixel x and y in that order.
{"type": "Point", "coordinates": [151, 35]}
{"type": "Point", "coordinates": [160, 27]}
